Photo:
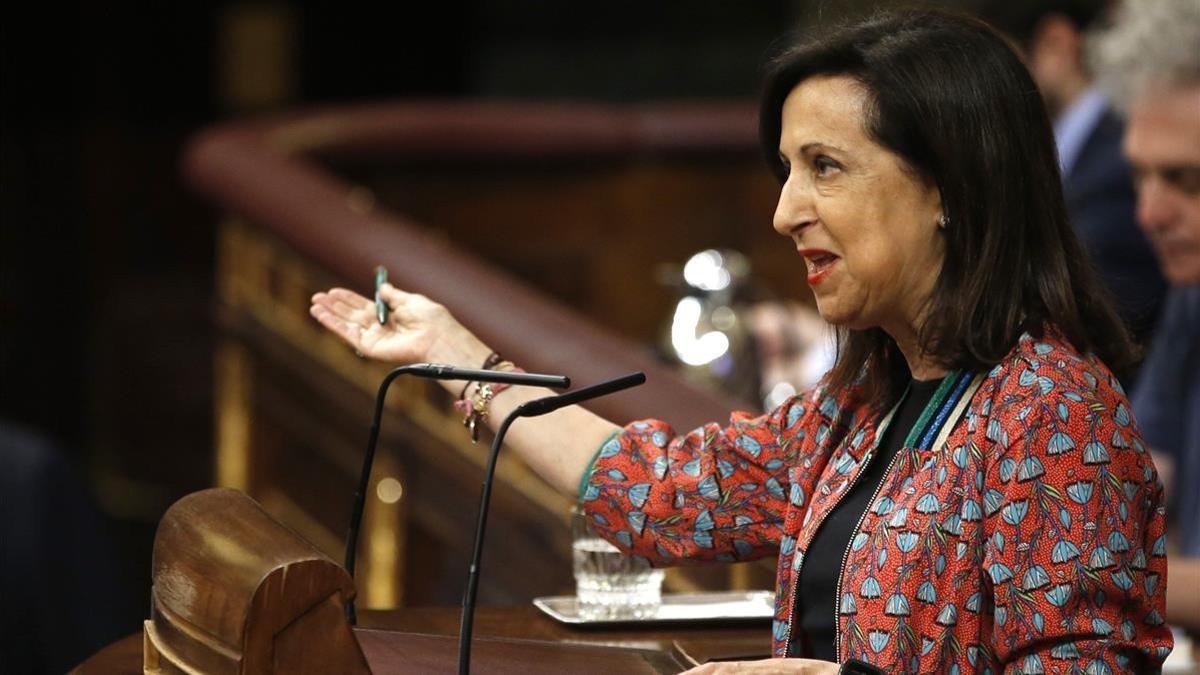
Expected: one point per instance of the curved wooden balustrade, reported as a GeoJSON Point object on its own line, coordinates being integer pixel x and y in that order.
{"type": "Point", "coordinates": [292, 403]}
{"type": "Point", "coordinates": [263, 172]}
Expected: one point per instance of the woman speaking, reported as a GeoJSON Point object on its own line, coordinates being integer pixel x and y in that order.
{"type": "Point", "coordinates": [966, 489]}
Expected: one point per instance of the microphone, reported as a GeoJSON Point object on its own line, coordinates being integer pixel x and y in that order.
{"type": "Point", "coordinates": [549, 404]}
{"type": "Point", "coordinates": [534, 408]}
{"type": "Point", "coordinates": [438, 371]}
{"type": "Point", "coordinates": [432, 371]}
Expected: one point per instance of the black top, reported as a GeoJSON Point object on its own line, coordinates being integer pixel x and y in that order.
{"type": "Point", "coordinates": [816, 595]}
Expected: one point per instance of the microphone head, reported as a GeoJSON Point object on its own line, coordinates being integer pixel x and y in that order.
{"type": "Point", "coordinates": [549, 404]}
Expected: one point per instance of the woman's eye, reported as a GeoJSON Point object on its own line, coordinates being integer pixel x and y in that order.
{"type": "Point", "coordinates": [824, 166]}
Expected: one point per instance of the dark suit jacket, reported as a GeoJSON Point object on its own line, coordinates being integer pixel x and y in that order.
{"type": "Point", "coordinates": [62, 596]}
{"type": "Point", "coordinates": [1101, 203]}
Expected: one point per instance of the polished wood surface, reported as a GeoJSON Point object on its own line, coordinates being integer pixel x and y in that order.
{"type": "Point", "coordinates": [236, 592]}
{"type": "Point", "coordinates": [390, 652]}
{"type": "Point", "coordinates": [512, 640]}
{"type": "Point", "coordinates": [692, 644]}
{"type": "Point", "coordinates": [527, 622]}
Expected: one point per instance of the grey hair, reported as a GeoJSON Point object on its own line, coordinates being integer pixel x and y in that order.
{"type": "Point", "coordinates": [1151, 43]}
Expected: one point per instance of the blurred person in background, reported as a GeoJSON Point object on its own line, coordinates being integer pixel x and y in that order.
{"type": "Point", "coordinates": [61, 593]}
{"type": "Point", "coordinates": [1050, 35]}
{"type": "Point", "coordinates": [1149, 62]}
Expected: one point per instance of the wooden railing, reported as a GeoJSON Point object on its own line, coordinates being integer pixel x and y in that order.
{"type": "Point", "coordinates": [292, 402]}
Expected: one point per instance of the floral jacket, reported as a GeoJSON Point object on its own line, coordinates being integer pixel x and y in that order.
{"type": "Point", "coordinates": [1030, 540]}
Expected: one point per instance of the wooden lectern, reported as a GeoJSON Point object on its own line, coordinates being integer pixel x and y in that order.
{"type": "Point", "coordinates": [237, 592]}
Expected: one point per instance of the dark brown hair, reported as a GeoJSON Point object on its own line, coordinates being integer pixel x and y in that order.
{"type": "Point", "coordinates": [954, 102]}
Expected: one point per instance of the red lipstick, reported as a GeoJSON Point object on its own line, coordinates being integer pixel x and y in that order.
{"type": "Point", "coordinates": [819, 263]}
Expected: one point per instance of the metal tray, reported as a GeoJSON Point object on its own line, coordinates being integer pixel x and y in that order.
{"type": "Point", "coordinates": [723, 606]}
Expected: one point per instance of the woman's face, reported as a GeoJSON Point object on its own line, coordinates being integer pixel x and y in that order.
{"type": "Point", "coordinates": [866, 227]}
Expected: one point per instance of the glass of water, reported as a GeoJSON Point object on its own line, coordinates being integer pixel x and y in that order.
{"type": "Point", "coordinates": [610, 585]}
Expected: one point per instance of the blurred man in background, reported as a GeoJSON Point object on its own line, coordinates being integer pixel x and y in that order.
{"type": "Point", "coordinates": [1096, 178]}
{"type": "Point", "coordinates": [1149, 62]}
{"type": "Point", "coordinates": [61, 594]}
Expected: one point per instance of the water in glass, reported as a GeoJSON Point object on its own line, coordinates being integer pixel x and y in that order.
{"type": "Point", "coordinates": [611, 585]}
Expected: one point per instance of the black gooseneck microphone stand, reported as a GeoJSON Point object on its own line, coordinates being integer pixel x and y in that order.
{"type": "Point", "coordinates": [432, 371]}
{"type": "Point", "coordinates": [532, 408]}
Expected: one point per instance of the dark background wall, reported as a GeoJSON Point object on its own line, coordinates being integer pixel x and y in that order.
{"type": "Point", "coordinates": [107, 260]}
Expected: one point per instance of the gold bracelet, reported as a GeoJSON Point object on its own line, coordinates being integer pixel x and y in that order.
{"type": "Point", "coordinates": [478, 407]}
{"type": "Point", "coordinates": [484, 394]}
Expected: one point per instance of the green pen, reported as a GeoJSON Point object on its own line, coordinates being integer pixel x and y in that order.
{"type": "Point", "coordinates": [381, 307]}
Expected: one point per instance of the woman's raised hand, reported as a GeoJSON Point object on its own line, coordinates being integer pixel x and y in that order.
{"type": "Point", "coordinates": [415, 324]}
{"type": "Point", "coordinates": [420, 330]}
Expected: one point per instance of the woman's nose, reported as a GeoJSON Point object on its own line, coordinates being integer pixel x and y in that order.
{"type": "Point", "coordinates": [795, 208]}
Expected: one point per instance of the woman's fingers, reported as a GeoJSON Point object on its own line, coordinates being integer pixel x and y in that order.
{"type": "Point", "coordinates": [394, 296]}
{"type": "Point", "coordinates": [349, 297]}
{"type": "Point", "coordinates": [348, 331]}
{"type": "Point", "coordinates": [352, 317]}
{"type": "Point", "coordinates": [351, 300]}
{"type": "Point", "coordinates": [346, 305]}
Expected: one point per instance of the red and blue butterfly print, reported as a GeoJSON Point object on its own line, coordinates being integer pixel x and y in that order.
{"type": "Point", "coordinates": [1031, 540]}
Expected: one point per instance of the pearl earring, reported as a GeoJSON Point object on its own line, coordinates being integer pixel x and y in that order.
{"type": "Point", "coordinates": [943, 221]}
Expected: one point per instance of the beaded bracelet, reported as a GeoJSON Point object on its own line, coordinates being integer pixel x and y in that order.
{"type": "Point", "coordinates": [489, 363]}
{"type": "Point", "coordinates": [475, 410]}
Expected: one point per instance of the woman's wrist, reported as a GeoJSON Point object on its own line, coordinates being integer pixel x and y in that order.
{"type": "Point", "coordinates": [475, 407]}
{"type": "Point", "coordinates": [459, 348]}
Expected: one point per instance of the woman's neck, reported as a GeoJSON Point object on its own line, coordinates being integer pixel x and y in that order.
{"type": "Point", "coordinates": [920, 364]}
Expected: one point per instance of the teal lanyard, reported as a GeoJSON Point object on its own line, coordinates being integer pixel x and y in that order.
{"type": "Point", "coordinates": [937, 411]}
